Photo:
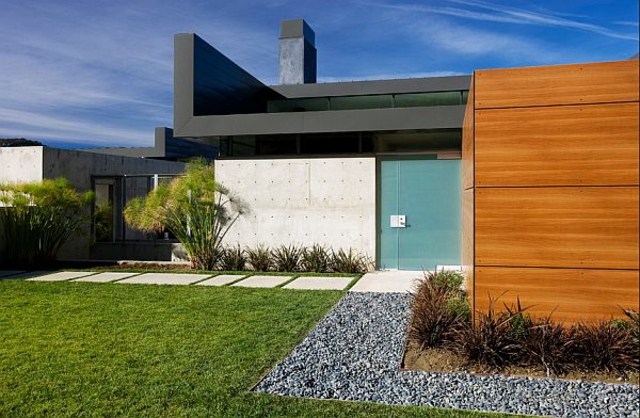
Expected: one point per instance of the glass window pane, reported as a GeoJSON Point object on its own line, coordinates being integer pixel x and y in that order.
{"type": "Point", "coordinates": [444, 98]}
{"type": "Point", "coordinates": [361, 102]}
{"type": "Point", "coordinates": [298, 105]}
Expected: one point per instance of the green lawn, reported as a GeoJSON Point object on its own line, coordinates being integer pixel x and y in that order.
{"type": "Point", "coordinates": [70, 349]}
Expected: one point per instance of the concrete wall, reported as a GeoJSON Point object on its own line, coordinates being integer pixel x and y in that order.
{"type": "Point", "coordinates": [79, 166]}
{"type": "Point", "coordinates": [25, 164]}
{"type": "Point", "coordinates": [20, 164]}
{"type": "Point", "coordinates": [330, 201]}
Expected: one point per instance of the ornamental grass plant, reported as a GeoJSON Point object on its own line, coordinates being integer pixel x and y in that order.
{"type": "Point", "coordinates": [38, 218]}
{"type": "Point", "coordinates": [196, 209]}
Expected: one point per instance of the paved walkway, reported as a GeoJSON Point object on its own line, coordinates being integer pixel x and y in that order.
{"type": "Point", "coordinates": [377, 282]}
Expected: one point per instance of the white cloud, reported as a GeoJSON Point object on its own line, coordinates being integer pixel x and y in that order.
{"type": "Point", "coordinates": [498, 13]}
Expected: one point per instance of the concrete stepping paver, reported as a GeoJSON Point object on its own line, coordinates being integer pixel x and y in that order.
{"type": "Point", "coordinates": [104, 277]}
{"type": "Point", "coordinates": [319, 283]}
{"type": "Point", "coordinates": [165, 278]}
{"type": "Point", "coordinates": [9, 273]}
{"type": "Point", "coordinates": [388, 282]}
{"type": "Point", "coordinates": [262, 281]}
{"type": "Point", "coordinates": [61, 276]}
{"type": "Point", "coordinates": [221, 280]}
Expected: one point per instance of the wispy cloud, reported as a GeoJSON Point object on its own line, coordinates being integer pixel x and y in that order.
{"type": "Point", "coordinates": [498, 13]}
{"type": "Point", "coordinates": [99, 67]}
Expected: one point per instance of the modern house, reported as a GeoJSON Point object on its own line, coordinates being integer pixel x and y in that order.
{"type": "Point", "coordinates": [534, 191]}
{"type": "Point", "coordinates": [371, 165]}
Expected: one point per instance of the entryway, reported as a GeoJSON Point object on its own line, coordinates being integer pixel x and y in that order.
{"type": "Point", "coordinates": [419, 216]}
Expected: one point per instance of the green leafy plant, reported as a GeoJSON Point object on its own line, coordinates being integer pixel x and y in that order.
{"type": "Point", "coordinates": [196, 209]}
{"type": "Point", "coordinates": [350, 262]}
{"type": "Point", "coordinates": [259, 258]}
{"type": "Point", "coordinates": [233, 259]}
{"type": "Point", "coordinates": [316, 259]}
{"type": "Point", "coordinates": [37, 219]}
{"type": "Point", "coordinates": [287, 258]}
{"type": "Point", "coordinates": [439, 308]}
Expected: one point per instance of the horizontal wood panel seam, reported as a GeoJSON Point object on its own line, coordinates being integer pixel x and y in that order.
{"type": "Point", "coordinates": [507, 266]}
{"type": "Point", "coordinates": [581, 186]}
{"type": "Point", "coordinates": [558, 105]}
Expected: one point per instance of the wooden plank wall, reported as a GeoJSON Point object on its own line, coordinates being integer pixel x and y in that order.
{"type": "Point", "coordinates": [554, 194]}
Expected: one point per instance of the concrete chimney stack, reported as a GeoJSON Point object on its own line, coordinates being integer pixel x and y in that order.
{"type": "Point", "coordinates": [298, 56]}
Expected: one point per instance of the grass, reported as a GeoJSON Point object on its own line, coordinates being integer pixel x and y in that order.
{"type": "Point", "coordinates": [69, 349]}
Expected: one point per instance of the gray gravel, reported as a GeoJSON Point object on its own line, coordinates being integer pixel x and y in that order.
{"type": "Point", "coordinates": [355, 351]}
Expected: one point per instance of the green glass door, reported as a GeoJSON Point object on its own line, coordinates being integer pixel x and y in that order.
{"type": "Point", "coordinates": [420, 213]}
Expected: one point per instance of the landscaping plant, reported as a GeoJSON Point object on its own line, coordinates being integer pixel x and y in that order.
{"type": "Point", "coordinates": [287, 258]}
{"type": "Point", "coordinates": [316, 259]}
{"type": "Point", "coordinates": [350, 262]}
{"type": "Point", "coordinates": [196, 209]}
{"type": "Point", "coordinates": [259, 258]}
{"type": "Point", "coordinates": [490, 340]}
{"type": "Point", "coordinates": [606, 346]}
{"type": "Point", "coordinates": [233, 259]}
{"type": "Point", "coordinates": [549, 345]}
{"type": "Point", "coordinates": [439, 308]}
{"type": "Point", "coordinates": [37, 219]}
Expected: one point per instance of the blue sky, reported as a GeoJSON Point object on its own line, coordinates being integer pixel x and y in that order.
{"type": "Point", "coordinates": [100, 73]}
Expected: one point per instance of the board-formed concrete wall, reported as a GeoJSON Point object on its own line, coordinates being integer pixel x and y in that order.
{"type": "Point", "coordinates": [328, 201]}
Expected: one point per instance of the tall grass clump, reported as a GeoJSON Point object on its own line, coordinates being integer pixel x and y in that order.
{"type": "Point", "coordinates": [259, 258]}
{"type": "Point", "coordinates": [233, 259]}
{"type": "Point", "coordinates": [196, 209]}
{"type": "Point", "coordinates": [439, 308]}
{"type": "Point", "coordinates": [607, 346]}
{"type": "Point", "coordinates": [316, 259]}
{"type": "Point", "coordinates": [37, 219]}
{"type": "Point", "coordinates": [491, 340]}
{"type": "Point", "coordinates": [350, 262]}
{"type": "Point", "coordinates": [287, 258]}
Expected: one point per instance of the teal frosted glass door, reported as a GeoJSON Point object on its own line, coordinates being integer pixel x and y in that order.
{"type": "Point", "coordinates": [420, 211]}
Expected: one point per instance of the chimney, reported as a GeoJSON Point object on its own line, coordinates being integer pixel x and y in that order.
{"type": "Point", "coordinates": [298, 60]}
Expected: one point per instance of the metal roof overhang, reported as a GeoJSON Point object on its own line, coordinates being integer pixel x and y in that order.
{"type": "Point", "coordinates": [424, 118]}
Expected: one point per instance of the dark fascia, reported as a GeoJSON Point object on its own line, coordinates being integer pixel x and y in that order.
{"type": "Point", "coordinates": [356, 88]}
{"type": "Point", "coordinates": [189, 124]}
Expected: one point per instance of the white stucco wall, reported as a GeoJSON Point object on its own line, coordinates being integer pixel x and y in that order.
{"type": "Point", "coordinates": [329, 201]}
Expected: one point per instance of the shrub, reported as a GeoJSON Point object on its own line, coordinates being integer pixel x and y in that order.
{"type": "Point", "coordinates": [633, 322]}
{"type": "Point", "coordinates": [439, 308]}
{"type": "Point", "coordinates": [233, 259]}
{"type": "Point", "coordinates": [194, 208]}
{"type": "Point", "coordinates": [604, 346]}
{"type": "Point", "coordinates": [259, 258]}
{"type": "Point", "coordinates": [549, 345]}
{"type": "Point", "coordinates": [316, 259]}
{"type": "Point", "coordinates": [37, 219]}
{"type": "Point", "coordinates": [490, 341]}
{"type": "Point", "coordinates": [350, 262]}
{"type": "Point", "coordinates": [286, 258]}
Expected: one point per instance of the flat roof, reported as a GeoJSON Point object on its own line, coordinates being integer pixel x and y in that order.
{"type": "Point", "coordinates": [356, 88]}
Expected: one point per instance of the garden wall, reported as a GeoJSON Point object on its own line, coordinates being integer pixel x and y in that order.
{"type": "Point", "coordinates": [25, 164]}
{"type": "Point", "coordinates": [330, 201]}
{"type": "Point", "coordinates": [550, 167]}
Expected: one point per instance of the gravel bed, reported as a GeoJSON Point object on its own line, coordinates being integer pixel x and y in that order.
{"type": "Point", "coordinates": [355, 352]}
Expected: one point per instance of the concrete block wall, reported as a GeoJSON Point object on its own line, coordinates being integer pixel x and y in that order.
{"type": "Point", "coordinates": [329, 201]}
